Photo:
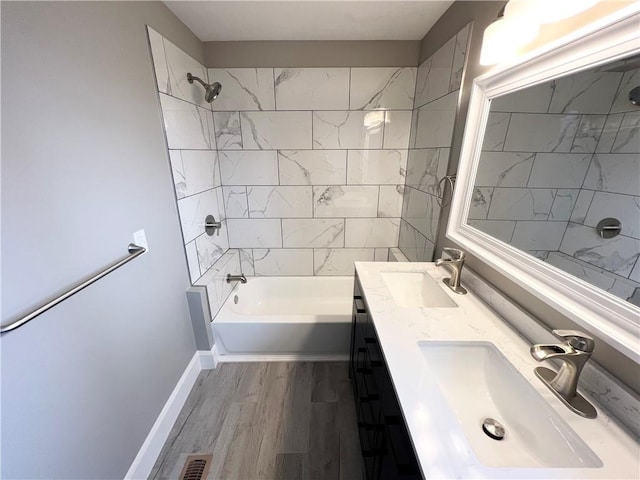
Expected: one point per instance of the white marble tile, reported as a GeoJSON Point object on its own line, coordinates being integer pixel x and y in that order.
{"type": "Point", "coordinates": [375, 167]}
{"type": "Point", "coordinates": [390, 201]}
{"type": "Point", "coordinates": [283, 262]}
{"type": "Point", "coordinates": [635, 273]}
{"type": "Point", "coordinates": [312, 167]}
{"type": "Point", "coordinates": [425, 168]}
{"type": "Point", "coordinates": [559, 170]}
{"type": "Point", "coordinates": [621, 102]}
{"type": "Point", "coordinates": [339, 261]}
{"type": "Point", "coordinates": [541, 133]}
{"type": "Point", "coordinates": [617, 255]}
{"type": "Point", "coordinates": [628, 138]}
{"type": "Point", "coordinates": [504, 169]}
{"type": "Point", "coordinates": [275, 130]}
{"type": "Point", "coordinates": [210, 248]}
{"type": "Point", "coordinates": [197, 169]}
{"type": "Point", "coordinates": [421, 211]}
{"type": "Point", "coordinates": [177, 173]}
{"type": "Point", "coordinates": [279, 202]}
{"type": "Point", "coordinates": [411, 242]}
{"type": "Point", "coordinates": [616, 173]}
{"type": "Point", "coordinates": [563, 204]}
{"type": "Point", "coordinates": [382, 88]}
{"type": "Point", "coordinates": [583, 271]}
{"type": "Point", "coordinates": [214, 280]}
{"type": "Point", "coordinates": [434, 74]}
{"type": "Point", "coordinates": [538, 235]}
{"type": "Point", "coordinates": [159, 60]}
{"type": "Point", "coordinates": [625, 208]}
{"type": "Point", "coordinates": [629, 291]}
{"type": "Point", "coordinates": [480, 203]}
{"type": "Point", "coordinates": [235, 201]}
{"type": "Point", "coordinates": [179, 64]}
{"type": "Point", "coordinates": [312, 88]}
{"type": "Point", "coordinates": [459, 53]}
{"type": "Point", "coordinates": [254, 233]}
{"type": "Point", "coordinates": [581, 207]}
{"type": "Point", "coordinates": [192, 261]}
{"type": "Point", "coordinates": [243, 88]}
{"type": "Point", "coordinates": [434, 128]}
{"type": "Point", "coordinates": [246, 261]}
{"type": "Point", "coordinates": [312, 232]}
{"type": "Point", "coordinates": [187, 126]}
{"type": "Point", "coordinates": [496, 131]}
{"type": "Point", "coordinates": [499, 229]}
{"type": "Point", "coordinates": [534, 99]}
{"type": "Point", "coordinates": [249, 168]}
{"type": "Point", "coordinates": [521, 204]}
{"type": "Point", "coordinates": [609, 133]}
{"type": "Point", "coordinates": [371, 232]}
{"type": "Point", "coordinates": [380, 254]}
{"type": "Point", "coordinates": [435, 122]}
{"type": "Point", "coordinates": [588, 134]}
{"type": "Point", "coordinates": [228, 135]}
{"type": "Point", "coordinates": [397, 127]}
{"type": "Point", "coordinates": [338, 130]}
{"type": "Point", "coordinates": [345, 201]}
{"type": "Point", "coordinates": [194, 209]}
{"type": "Point", "coordinates": [585, 92]}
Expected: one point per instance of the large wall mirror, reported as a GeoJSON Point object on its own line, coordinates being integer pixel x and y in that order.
{"type": "Point", "coordinates": [549, 179]}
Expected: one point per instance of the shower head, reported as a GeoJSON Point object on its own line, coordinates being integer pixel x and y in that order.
{"type": "Point", "coordinates": [211, 92]}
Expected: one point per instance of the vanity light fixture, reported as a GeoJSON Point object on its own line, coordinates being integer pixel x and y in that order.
{"type": "Point", "coordinates": [519, 22]}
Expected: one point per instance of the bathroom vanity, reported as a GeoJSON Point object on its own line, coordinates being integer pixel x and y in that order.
{"type": "Point", "coordinates": [428, 368]}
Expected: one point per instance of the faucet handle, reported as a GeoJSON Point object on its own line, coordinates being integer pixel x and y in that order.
{"type": "Point", "coordinates": [578, 340]}
{"type": "Point", "coordinates": [455, 253]}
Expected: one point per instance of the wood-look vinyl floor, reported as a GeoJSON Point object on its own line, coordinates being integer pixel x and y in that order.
{"type": "Point", "coordinates": [268, 421]}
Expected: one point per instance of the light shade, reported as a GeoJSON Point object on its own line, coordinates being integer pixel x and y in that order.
{"type": "Point", "coordinates": [547, 11]}
{"type": "Point", "coordinates": [504, 37]}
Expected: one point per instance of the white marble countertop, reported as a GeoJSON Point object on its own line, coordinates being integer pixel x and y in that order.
{"type": "Point", "coordinates": [451, 456]}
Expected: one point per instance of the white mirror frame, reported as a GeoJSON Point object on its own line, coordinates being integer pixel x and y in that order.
{"type": "Point", "coordinates": [612, 319]}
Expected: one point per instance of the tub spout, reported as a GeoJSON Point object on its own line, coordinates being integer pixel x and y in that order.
{"type": "Point", "coordinates": [236, 278]}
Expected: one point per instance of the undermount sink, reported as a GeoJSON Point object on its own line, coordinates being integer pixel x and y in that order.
{"type": "Point", "coordinates": [416, 289]}
{"type": "Point", "coordinates": [478, 382]}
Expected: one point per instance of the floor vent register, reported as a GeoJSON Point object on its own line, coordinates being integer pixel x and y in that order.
{"type": "Point", "coordinates": [196, 467]}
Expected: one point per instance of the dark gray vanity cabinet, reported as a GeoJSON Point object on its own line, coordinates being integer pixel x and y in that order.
{"type": "Point", "coordinates": [384, 441]}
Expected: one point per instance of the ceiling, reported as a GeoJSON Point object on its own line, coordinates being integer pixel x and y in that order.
{"type": "Point", "coordinates": [241, 20]}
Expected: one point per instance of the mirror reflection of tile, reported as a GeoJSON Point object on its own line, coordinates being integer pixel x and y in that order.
{"type": "Point", "coordinates": [558, 158]}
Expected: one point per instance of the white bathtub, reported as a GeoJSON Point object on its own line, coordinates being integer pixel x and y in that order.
{"type": "Point", "coordinates": [286, 317]}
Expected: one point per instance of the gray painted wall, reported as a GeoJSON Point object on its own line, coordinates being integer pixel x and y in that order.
{"type": "Point", "coordinates": [482, 14]}
{"type": "Point", "coordinates": [383, 53]}
{"type": "Point", "coordinates": [84, 165]}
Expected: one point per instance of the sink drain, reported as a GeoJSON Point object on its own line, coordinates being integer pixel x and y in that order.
{"type": "Point", "coordinates": [493, 428]}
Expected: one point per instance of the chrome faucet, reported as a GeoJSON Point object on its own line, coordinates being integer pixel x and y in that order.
{"type": "Point", "coordinates": [236, 278]}
{"type": "Point", "coordinates": [573, 353]}
{"type": "Point", "coordinates": [455, 262]}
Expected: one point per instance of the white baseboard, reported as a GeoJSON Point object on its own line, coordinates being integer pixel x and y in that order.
{"type": "Point", "coordinates": [148, 453]}
{"type": "Point", "coordinates": [252, 357]}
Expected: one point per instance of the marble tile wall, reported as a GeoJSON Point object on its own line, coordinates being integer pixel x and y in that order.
{"type": "Point", "coordinates": [192, 138]}
{"type": "Point", "coordinates": [312, 164]}
{"type": "Point", "coordinates": [432, 121]}
{"type": "Point", "coordinates": [558, 158]}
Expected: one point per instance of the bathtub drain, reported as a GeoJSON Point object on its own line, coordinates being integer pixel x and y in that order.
{"type": "Point", "coordinates": [235, 299]}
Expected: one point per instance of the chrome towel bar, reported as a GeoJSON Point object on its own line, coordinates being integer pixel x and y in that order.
{"type": "Point", "coordinates": [134, 251]}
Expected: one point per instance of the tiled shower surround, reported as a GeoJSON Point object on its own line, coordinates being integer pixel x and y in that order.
{"type": "Point", "coordinates": [306, 167]}
{"type": "Point", "coordinates": [312, 164]}
{"type": "Point", "coordinates": [434, 110]}
{"type": "Point", "coordinates": [558, 158]}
